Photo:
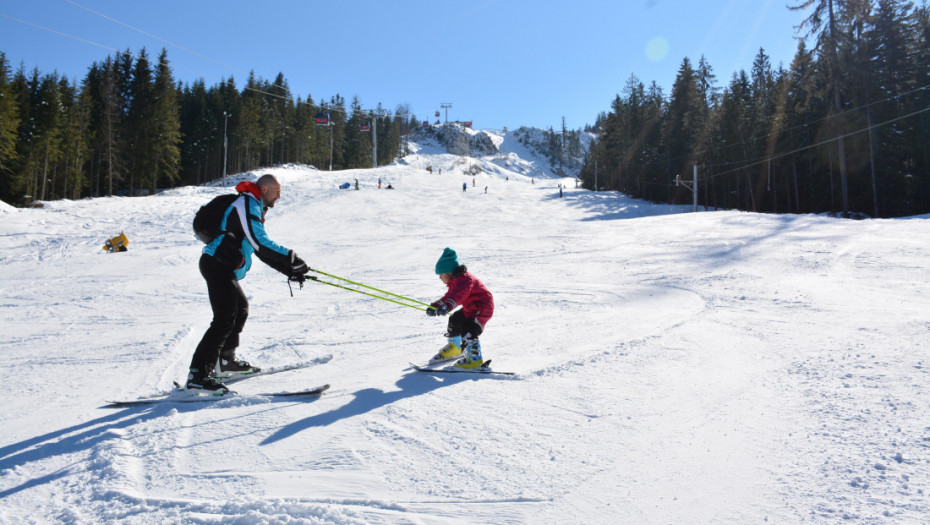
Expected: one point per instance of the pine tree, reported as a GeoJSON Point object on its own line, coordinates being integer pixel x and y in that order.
{"type": "Point", "coordinates": [800, 91]}
{"type": "Point", "coordinates": [763, 128]}
{"type": "Point", "coordinates": [9, 123]}
{"type": "Point", "coordinates": [338, 116]}
{"type": "Point", "coordinates": [917, 181]}
{"type": "Point", "coordinates": [106, 121]}
{"type": "Point", "coordinates": [139, 132]}
{"type": "Point", "coordinates": [166, 126]}
{"type": "Point", "coordinates": [357, 147]}
{"type": "Point", "coordinates": [199, 127]}
{"type": "Point", "coordinates": [684, 124]}
{"type": "Point", "coordinates": [249, 130]}
{"type": "Point", "coordinates": [77, 142]}
{"type": "Point", "coordinates": [829, 21]}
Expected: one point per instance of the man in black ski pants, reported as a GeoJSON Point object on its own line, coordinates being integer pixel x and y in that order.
{"type": "Point", "coordinates": [224, 262]}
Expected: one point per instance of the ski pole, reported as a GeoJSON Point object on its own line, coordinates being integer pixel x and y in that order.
{"type": "Point", "coordinates": [369, 287]}
{"type": "Point", "coordinates": [315, 279]}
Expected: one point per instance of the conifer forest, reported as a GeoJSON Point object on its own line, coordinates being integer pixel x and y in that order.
{"type": "Point", "coordinates": [844, 128]}
{"type": "Point", "coordinates": [128, 128]}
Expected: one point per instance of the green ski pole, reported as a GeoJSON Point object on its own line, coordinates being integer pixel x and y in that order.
{"type": "Point", "coordinates": [369, 287]}
{"type": "Point", "coordinates": [315, 279]}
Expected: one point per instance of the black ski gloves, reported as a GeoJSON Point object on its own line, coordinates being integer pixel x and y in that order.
{"type": "Point", "coordinates": [442, 309]}
{"type": "Point", "coordinates": [298, 266]}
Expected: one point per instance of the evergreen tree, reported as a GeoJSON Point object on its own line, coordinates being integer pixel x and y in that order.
{"type": "Point", "coordinates": [829, 22]}
{"type": "Point", "coordinates": [198, 126]}
{"type": "Point", "coordinates": [140, 135]}
{"type": "Point", "coordinates": [683, 125]}
{"type": "Point", "coordinates": [800, 91]}
{"type": "Point", "coordinates": [917, 181]}
{"type": "Point", "coordinates": [226, 104]}
{"type": "Point", "coordinates": [357, 146]}
{"type": "Point", "coordinates": [338, 116]}
{"type": "Point", "coordinates": [763, 128]}
{"type": "Point", "coordinates": [106, 121]}
{"type": "Point", "coordinates": [78, 140]}
{"type": "Point", "coordinates": [9, 124]}
{"type": "Point", "coordinates": [249, 130]}
{"type": "Point", "coordinates": [735, 133]}
{"type": "Point", "coordinates": [166, 127]}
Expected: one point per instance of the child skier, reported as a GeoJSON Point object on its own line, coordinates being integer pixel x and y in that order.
{"type": "Point", "coordinates": [466, 324]}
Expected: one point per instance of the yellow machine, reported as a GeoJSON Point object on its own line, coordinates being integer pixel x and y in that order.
{"type": "Point", "coordinates": [117, 244]}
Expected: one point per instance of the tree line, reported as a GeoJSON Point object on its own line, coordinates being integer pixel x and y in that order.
{"type": "Point", "coordinates": [128, 128]}
{"type": "Point", "coordinates": [844, 129]}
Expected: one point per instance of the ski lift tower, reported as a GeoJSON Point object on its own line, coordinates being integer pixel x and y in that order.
{"type": "Point", "coordinates": [693, 186]}
{"type": "Point", "coordinates": [446, 106]}
{"type": "Point", "coordinates": [225, 145]}
{"type": "Point", "coordinates": [374, 138]}
{"type": "Point", "coordinates": [322, 119]}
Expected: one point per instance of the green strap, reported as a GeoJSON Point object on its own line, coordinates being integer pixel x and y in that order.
{"type": "Point", "coordinates": [314, 279]}
{"type": "Point", "coordinates": [408, 299]}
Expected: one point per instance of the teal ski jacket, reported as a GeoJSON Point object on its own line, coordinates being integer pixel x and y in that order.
{"type": "Point", "coordinates": [243, 225]}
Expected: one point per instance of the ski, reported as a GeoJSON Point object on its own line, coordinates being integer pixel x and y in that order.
{"type": "Point", "coordinates": [272, 370]}
{"type": "Point", "coordinates": [226, 380]}
{"type": "Point", "coordinates": [181, 395]}
{"type": "Point", "coordinates": [484, 369]}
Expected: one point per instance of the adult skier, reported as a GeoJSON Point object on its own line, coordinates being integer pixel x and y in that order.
{"type": "Point", "coordinates": [224, 262]}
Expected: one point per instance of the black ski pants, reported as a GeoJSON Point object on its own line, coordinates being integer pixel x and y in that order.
{"type": "Point", "coordinates": [230, 310]}
{"type": "Point", "coordinates": [463, 326]}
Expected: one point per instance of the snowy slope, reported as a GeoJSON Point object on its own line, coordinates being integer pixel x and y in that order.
{"type": "Point", "coordinates": [671, 367]}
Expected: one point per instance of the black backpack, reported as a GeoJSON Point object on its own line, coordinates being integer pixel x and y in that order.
{"type": "Point", "coordinates": [210, 215]}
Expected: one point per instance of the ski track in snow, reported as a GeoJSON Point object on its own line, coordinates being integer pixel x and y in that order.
{"type": "Point", "coordinates": [718, 367]}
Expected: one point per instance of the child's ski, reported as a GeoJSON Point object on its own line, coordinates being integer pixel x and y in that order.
{"type": "Point", "coordinates": [483, 369]}
{"type": "Point", "coordinates": [180, 395]}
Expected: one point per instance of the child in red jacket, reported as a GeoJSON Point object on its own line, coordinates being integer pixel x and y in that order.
{"type": "Point", "coordinates": [466, 324]}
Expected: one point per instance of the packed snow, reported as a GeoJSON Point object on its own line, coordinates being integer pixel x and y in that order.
{"type": "Point", "coordinates": [671, 367]}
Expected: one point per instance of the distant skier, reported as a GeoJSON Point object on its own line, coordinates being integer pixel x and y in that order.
{"type": "Point", "coordinates": [464, 186]}
{"type": "Point", "coordinates": [224, 262]}
{"type": "Point", "coordinates": [466, 324]}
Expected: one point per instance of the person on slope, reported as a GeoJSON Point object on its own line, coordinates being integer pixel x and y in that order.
{"type": "Point", "coordinates": [466, 324]}
{"type": "Point", "coordinates": [224, 262]}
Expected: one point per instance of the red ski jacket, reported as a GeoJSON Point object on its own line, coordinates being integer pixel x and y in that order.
{"type": "Point", "coordinates": [465, 289]}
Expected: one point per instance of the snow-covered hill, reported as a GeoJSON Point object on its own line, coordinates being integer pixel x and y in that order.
{"type": "Point", "coordinates": [671, 367]}
{"type": "Point", "coordinates": [523, 150]}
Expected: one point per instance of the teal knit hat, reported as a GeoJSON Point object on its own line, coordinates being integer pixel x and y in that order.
{"type": "Point", "coordinates": [448, 262]}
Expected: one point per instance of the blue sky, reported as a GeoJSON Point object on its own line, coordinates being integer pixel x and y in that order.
{"type": "Point", "coordinates": [498, 62]}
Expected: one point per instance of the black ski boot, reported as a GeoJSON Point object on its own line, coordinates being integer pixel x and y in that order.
{"type": "Point", "coordinates": [228, 366]}
{"type": "Point", "coordinates": [199, 381]}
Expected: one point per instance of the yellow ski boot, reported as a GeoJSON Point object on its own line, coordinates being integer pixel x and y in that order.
{"type": "Point", "coordinates": [472, 359]}
{"type": "Point", "coordinates": [448, 353]}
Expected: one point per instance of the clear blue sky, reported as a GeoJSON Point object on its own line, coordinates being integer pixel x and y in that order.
{"type": "Point", "coordinates": [498, 62]}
